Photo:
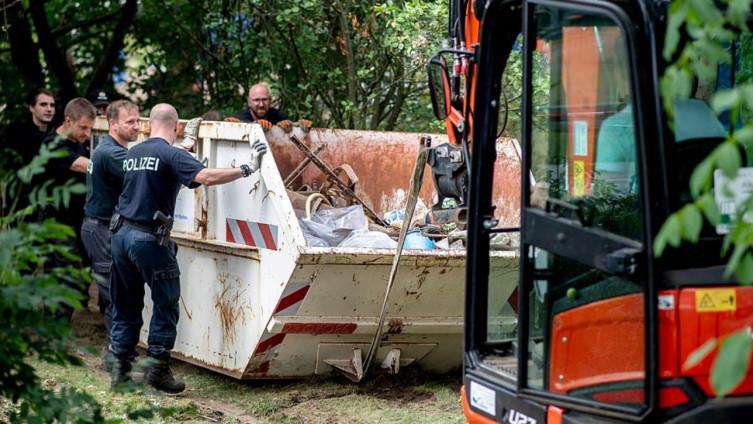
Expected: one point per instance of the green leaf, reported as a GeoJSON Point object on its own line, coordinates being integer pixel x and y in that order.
{"type": "Point", "coordinates": [712, 51]}
{"type": "Point", "coordinates": [728, 159]}
{"type": "Point", "coordinates": [740, 249]}
{"type": "Point", "coordinates": [747, 93]}
{"type": "Point", "coordinates": [700, 179]}
{"type": "Point", "coordinates": [738, 12]}
{"type": "Point", "coordinates": [699, 354]}
{"type": "Point", "coordinates": [724, 100]}
{"type": "Point", "coordinates": [692, 223]}
{"type": "Point", "coordinates": [78, 188]}
{"type": "Point", "coordinates": [670, 233]}
{"type": "Point", "coordinates": [731, 363]}
{"type": "Point", "coordinates": [745, 269]}
{"type": "Point", "coordinates": [66, 198]}
{"type": "Point", "coordinates": [710, 208]}
{"type": "Point", "coordinates": [677, 14]}
{"type": "Point", "coordinates": [706, 10]}
{"type": "Point", "coordinates": [744, 136]}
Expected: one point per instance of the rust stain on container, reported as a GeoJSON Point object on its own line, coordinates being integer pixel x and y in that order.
{"type": "Point", "coordinates": [395, 326]}
{"type": "Point", "coordinates": [228, 308]}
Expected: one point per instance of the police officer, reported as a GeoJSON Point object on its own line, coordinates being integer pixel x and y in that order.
{"type": "Point", "coordinates": [154, 172]}
{"type": "Point", "coordinates": [70, 140]}
{"type": "Point", "coordinates": [104, 180]}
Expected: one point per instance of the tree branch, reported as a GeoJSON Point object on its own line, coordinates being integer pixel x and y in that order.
{"type": "Point", "coordinates": [53, 55]}
{"type": "Point", "coordinates": [57, 32]}
{"type": "Point", "coordinates": [104, 68]}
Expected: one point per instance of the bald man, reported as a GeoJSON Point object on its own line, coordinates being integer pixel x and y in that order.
{"type": "Point", "coordinates": [259, 111]}
{"type": "Point", "coordinates": [259, 100]}
{"type": "Point", "coordinates": [142, 251]}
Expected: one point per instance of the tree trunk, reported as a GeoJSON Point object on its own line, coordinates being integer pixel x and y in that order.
{"type": "Point", "coordinates": [53, 55]}
{"type": "Point", "coordinates": [23, 50]}
{"type": "Point", "coordinates": [351, 76]}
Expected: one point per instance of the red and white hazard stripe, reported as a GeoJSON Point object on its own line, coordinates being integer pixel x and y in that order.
{"type": "Point", "coordinates": [251, 233]}
{"type": "Point", "coordinates": [289, 304]}
{"type": "Point", "coordinates": [291, 299]}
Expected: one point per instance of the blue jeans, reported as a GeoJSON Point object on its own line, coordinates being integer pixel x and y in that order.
{"type": "Point", "coordinates": [137, 258]}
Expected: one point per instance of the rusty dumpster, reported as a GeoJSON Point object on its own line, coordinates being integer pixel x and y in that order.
{"type": "Point", "coordinates": [258, 303]}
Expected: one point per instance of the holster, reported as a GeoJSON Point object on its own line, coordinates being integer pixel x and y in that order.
{"type": "Point", "coordinates": [162, 231]}
{"type": "Point", "coordinates": [115, 223]}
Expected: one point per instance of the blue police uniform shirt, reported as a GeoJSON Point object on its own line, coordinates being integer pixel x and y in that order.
{"type": "Point", "coordinates": [154, 172]}
{"type": "Point", "coordinates": [104, 178]}
{"type": "Point", "coordinates": [58, 170]}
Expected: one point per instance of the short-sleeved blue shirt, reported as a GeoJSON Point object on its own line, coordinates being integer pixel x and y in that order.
{"type": "Point", "coordinates": [104, 178]}
{"type": "Point", "coordinates": [59, 171]}
{"type": "Point", "coordinates": [154, 172]}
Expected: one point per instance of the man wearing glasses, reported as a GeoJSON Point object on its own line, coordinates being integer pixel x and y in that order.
{"type": "Point", "coordinates": [260, 111]}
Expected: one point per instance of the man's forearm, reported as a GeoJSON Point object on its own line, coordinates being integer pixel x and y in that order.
{"type": "Point", "coordinates": [80, 165]}
{"type": "Point", "coordinates": [214, 176]}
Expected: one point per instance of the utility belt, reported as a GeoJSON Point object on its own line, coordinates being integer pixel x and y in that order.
{"type": "Point", "coordinates": [161, 228]}
{"type": "Point", "coordinates": [105, 222]}
{"type": "Point", "coordinates": [146, 228]}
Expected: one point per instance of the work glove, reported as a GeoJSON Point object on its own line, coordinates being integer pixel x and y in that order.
{"type": "Point", "coordinates": [305, 124]}
{"type": "Point", "coordinates": [232, 119]}
{"type": "Point", "coordinates": [258, 149]}
{"type": "Point", "coordinates": [286, 125]}
{"type": "Point", "coordinates": [266, 125]}
{"type": "Point", "coordinates": [190, 134]}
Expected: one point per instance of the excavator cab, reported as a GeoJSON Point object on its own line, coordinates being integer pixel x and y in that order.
{"type": "Point", "coordinates": [603, 326]}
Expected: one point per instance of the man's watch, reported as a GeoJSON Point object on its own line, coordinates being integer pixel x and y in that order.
{"type": "Point", "coordinates": [245, 170]}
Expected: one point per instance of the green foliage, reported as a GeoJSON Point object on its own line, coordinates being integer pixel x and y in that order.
{"type": "Point", "coordinates": [733, 356]}
{"type": "Point", "coordinates": [32, 294]}
{"type": "Point", "coordinates": [699, 33]}
{"type": "Point", "coordinates": [343, 63]}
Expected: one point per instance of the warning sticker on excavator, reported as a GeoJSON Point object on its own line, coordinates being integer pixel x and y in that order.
{"type": "Point", "coordinates": [579, 178]}
{"type": "Point", "coordinates": [715, 300]}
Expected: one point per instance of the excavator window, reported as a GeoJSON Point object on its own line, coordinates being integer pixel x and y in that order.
{"type": "Point", "coordinates": [584, 331]}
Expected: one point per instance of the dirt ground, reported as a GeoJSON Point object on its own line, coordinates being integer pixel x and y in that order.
{"type": "Point", "coordinates": [412, 397]}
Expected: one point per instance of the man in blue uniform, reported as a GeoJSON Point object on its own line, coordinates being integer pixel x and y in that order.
{"type": "Point", "coordinates": [141, 248]}
{"type": "Point", "coordinates": [70, 138]}
{"type": "Point", "coordinates": [104, 180]}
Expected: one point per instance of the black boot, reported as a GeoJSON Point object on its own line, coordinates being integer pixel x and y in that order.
{"type": "Point", "coordinates": [121, 373]}
{"type": "Point", "coordinates": [107, 360]}
{"type": "Point", "coordinates": [159, 376]}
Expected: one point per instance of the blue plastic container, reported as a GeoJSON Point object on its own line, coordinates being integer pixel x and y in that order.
{"type": "Point", "coordinates": [415, 240]}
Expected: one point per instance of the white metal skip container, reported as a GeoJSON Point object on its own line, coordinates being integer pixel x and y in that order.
{"type": "Point", "coordinates": [257, 303]}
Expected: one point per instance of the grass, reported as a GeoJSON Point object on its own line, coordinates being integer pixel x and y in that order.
{"type": "Point", "coordinates": [412, 397]}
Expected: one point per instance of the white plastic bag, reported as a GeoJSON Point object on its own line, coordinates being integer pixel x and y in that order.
{"type": "Point", "coordinates": [332, 226]}
{"type": "Point", "coordinates": [370, 239]}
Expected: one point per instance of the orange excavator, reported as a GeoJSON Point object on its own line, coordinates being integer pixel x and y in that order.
{"type": "Point", "coordinates": [605, 328]}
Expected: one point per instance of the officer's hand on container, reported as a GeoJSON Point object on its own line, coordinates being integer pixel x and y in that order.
{"type": "Point", "coordinates": [190, 134]}
{"type": "Point", "coordinates": [305, 124]}
{"type": "Point", "coordinates": [265, 124]}
{"type": "Point", "coordinates": [286, 125]}
{"type": "Point", "coordinates": [258, 149]}
{"type": "Point", "coordinates": [232, 119]}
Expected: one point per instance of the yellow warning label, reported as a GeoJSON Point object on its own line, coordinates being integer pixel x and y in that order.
{"type": "Point", "coordinates": [715, 300]}
{"type": "Point", "coordinates": [579, 178]}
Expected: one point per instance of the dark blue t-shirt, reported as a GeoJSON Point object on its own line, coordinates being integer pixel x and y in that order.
{"type": "Point", "coordinates": [273, 115]}
{"type": "Point", "coordinates": [154, 172]}
{"type": "Point", "coordinates": [104, 178]}
{"type": "Point", "coordinates": [59, 171]}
